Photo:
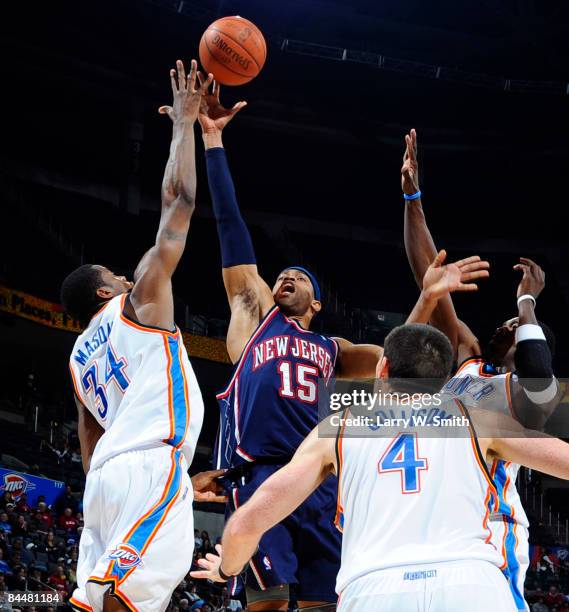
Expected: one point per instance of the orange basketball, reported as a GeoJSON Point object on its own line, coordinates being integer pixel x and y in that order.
{"type": "Point", "coordinates": [233, 50]}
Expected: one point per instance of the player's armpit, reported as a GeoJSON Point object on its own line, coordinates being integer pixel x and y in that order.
{"type": "Point", "coordinates": [89, 432]}
{"type": "Point", "coordinates": [357, 361]}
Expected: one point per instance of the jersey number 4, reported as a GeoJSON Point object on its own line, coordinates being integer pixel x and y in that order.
{"type": "Point", "coordinates": [114, 371]}
{"type": "Point", "coordinates": [402, 456]}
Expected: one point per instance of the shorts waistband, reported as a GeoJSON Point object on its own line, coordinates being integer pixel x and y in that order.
{"type": "Point", "coordinates": [155, 448]}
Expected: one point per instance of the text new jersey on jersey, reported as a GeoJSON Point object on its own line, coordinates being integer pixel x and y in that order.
{"type": "Point", "coordinates": [271, 402]}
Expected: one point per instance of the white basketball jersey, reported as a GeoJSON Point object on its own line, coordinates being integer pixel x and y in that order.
{"type": "Point", "coordinates": [478, 385]}
{"type": "Point", "coordinates": [138, 383]}
{"type": "Point", "coordinates": [412, 499]}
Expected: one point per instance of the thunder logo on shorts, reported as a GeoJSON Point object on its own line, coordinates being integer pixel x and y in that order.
{"type": "Point", "coordinates": [126, 556]}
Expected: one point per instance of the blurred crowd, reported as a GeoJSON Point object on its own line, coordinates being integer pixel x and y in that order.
{"type": "Point", "coordinates": [39, 548]}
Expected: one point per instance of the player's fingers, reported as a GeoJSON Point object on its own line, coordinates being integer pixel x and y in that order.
{"type": "Point", "coordinates": [467, 260]}
{"type": "Point", "coordinates": [407, 147]}
{"type": "Point", "coordinates": [204, 496]}
{"type": "Point", "coordinates": [521, 268]}
{"type": "Point", "coordinates": [440, 258]}
{"type": "Point", "coordinates": [181, 74]}
{"type": "Point", "coordinates": [211, 557]}
{"type": "Point", "coordinates": [191, 82]}
{"type": "Point", "coordinates": [237, 107]}
{"type": "Point", "coordinates": [207, 565]}
{"type": "Point", "coordinates": [219, 549]}
{"type": "Point", "coordinates": [476, 265]}
{"type": "Point", "coordinates": [205, 85]}
{"type": "Point", "coordinates": [412, 147]}
{"type": "Point", "coordinates": [165, 110]}
{"type": "Point", "coordinates": [474, 275]}
{"type": "Point", "coordinates": [468, 287]}
{"type": "Point", "coordinates": [527, 261]}
{"type": "Point", "coordinates": [173, 81]}
{"type": "Point", "coordinates": [200, 575]}
{"type": "Point", "coordinates": [218, 499]}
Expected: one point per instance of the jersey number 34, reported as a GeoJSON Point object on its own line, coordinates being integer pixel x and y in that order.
{"type": "Point", "coordinates": [114, 371]}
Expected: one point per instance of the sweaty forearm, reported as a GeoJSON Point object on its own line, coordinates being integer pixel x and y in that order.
{"type": "Point", "coordinates": [180, 181]}
{"type": "Point", "coordinates": [422, 311]}
{"type": "Point", "coordinates": [421, 251]}
{"type": "Point", "coordinates": [419, 244]}
{"type": "Point", "coordinates": [234, 238]}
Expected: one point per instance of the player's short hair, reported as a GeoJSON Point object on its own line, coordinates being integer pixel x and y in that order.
{"type": "Point", "coordinates": [420, 358]}
{"type": "Point", "coordinates": [79, 293]}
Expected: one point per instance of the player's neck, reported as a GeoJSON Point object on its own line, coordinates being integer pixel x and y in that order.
{"type": "Point", "coordinates": [302, 320]}
{"type": "Point", "coordinates": [508, 364]}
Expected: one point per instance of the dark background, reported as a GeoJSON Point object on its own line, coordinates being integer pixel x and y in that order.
{"type": "Point", "coordinates": [315, 156]}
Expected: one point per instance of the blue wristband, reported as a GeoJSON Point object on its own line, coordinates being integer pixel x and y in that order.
{"type": "Point", "coordinates": [415, 196]}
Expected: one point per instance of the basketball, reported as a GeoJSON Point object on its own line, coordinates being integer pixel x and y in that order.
{"type": "Point", "coordinates": [233, 50]}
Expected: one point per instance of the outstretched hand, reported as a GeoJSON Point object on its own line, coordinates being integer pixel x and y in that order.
{"type": "Point", "coordinates": [210, 564]}
{"type": "Point", "coordinates": [187, 98]}
{"type": "Point", "coordinates": [533, 279]}
{"type": "Point", "coordinates": [441, 279]}
{"type": "Point", "coordinates": [410, 168]}
{"type": "Point", "coordinates": [213, 116]}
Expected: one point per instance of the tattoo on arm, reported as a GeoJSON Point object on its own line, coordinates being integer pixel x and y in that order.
{"type": "Point", "coordinates": [170, 234]}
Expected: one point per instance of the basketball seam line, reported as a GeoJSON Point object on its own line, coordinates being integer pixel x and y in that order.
{"type": "Point", "coordinates": [240, 21]}
{"type": "Point", "coordinates": [225, 66]}
{"type": "Point", "coordinates": [237, 43]}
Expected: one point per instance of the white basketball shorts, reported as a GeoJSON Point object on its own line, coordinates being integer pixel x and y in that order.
{"type": "Point", "coordinates": [138, 537]}
{"type": "Point", "coordinates": [468, 586]}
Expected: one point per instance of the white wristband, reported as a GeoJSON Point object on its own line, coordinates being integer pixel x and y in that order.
{"type": "Point", "coordinates": [526, 296]}
{"type": "Point", "coordinates": [529, 331]}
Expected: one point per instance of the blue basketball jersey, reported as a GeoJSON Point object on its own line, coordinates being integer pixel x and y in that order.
{"type": "Point", "coordinates": [271, 402]}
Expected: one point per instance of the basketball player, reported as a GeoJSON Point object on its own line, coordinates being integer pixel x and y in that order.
{"type": "Point", "coordinates": [513, 375]}
{"type": "Point", "coordinates": [140, 407]}
{"type": "Point", "coordinates": [413, 501]}
{"type": "Point", "coordinates": [271, 402]}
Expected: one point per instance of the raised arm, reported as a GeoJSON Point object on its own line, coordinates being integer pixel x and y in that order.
{"type": "Point", "coordinates": [273, 501]}
{"type": "Point", "coordinates": [357, 361]}
{"type": "Point", "coordinates": [536, 391]}
{"type": "Point", "coordinates": [250, 298]}
{"type": "Point", "coordinates": [503, 437]}
{"type": "Point", "coordinates": [151, 298]}
{"type": "Point", "coordinates": [421, 250]}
